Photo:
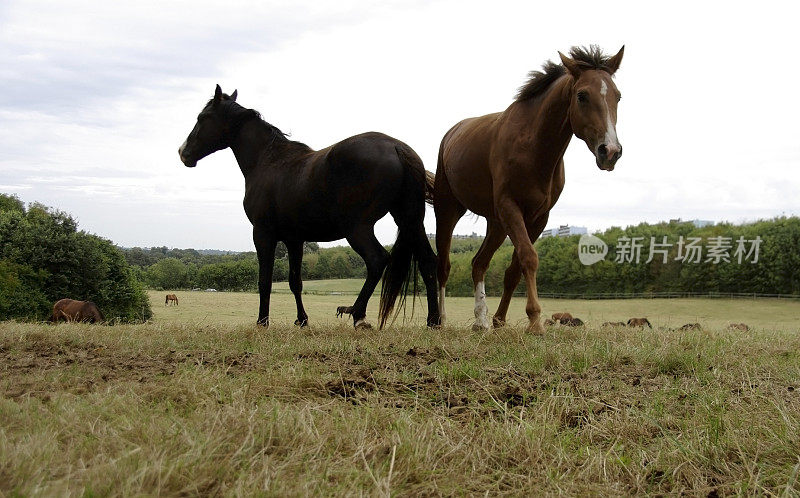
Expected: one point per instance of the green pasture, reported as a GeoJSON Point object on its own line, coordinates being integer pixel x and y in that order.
{"type": "Point", "coordinates": [238, 308]}
{"type": "Point", "coordinates": [201, 402]}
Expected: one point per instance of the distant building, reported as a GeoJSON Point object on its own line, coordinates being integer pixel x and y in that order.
{"type": "Point", "coordinates": [697, 223]}
{"type": "Point", "coordinates": [563, 231]}
{"type": "Point", "coordinates": [702, 223]}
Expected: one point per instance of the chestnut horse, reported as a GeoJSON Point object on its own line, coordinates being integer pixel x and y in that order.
{"type": "Point", "coordinates": [171, 298]}
{"type": "Point", "coordinates": [295, 194]}
{"type": "Point", "coordinates": [509, 168]}
{"type": "Point", "coordinates": [70, 310]}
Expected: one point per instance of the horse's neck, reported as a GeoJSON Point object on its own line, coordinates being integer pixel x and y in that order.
{"type": "Point", "coordinates": [545, 121]}
{"type": "Point", "coordinates": [257, 146]}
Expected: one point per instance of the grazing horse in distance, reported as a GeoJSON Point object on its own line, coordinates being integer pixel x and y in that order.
{"type": "Point", "coordinates": [344, 310]}
{"type": "Point", "coordinates": [559, 317]}
{"type": "Point", "coordinates": [171, 298]}
{"type": "Point", "coordinates": [295, 194]}
{"type": "Point", "coordinates": [739, 326]}
{"type": "Point", "coordinates": [572, 322]}
{"type": "Point", "coordinates": [70, 310]}
{"type": "Point", "coordinates": [639, 322]}
{"type": "Point", "coordinates": [508, 167]}
{"type": "Point", "coordinates": [690, 326]}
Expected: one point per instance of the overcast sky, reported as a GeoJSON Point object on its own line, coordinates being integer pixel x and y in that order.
{"type": "Point", "coordinates": [96, 97]}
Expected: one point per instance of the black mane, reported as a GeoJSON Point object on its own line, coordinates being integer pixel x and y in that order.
{"type": "Point", "coordinates": [240, 114]}
{"type": "Point", "coordinates": [591, 57]}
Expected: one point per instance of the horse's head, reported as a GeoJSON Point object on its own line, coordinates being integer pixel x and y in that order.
{"type": "Point", "coordinates": [212, 132]}
{"type": "Point", "coordinates": [593, 103]}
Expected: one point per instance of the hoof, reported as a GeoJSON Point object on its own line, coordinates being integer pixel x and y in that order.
{"type": "Point", "coordinates": [302, 323]}
{"type": "Point", "coordinates": [263, 322]}
{"type": "Point", "coordinates": [498, 323]}
{"type": "Point", "coordinates": [362, 324]}
{"type": "Point", "coordinates": [480, 327]}
{"type": "Point", "coordinates": [535, 328]}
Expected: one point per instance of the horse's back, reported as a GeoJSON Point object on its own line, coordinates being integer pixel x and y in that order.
{"type": "Point", "coordinates": [372, 153]}
{"type": "Point", "coordinates": [327, 193]}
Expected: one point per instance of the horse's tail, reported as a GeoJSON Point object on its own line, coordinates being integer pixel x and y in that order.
{"type": "Point", "coordinates": [401, 270]}
{"type": "Point", "coordinates": [429, 181]}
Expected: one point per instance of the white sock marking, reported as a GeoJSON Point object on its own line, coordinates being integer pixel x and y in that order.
{"type": "Point", "coordinates": [481, 309]}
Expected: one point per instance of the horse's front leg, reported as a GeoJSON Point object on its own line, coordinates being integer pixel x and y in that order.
{"type": "Point", "coordinates": [295, 250]}
{"type": "Point", "coordinates": [514, 223]}
{"type": "Point", "coordinates": [265, 243]}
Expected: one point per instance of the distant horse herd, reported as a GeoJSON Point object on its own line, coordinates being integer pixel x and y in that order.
{"type": "Point", "coordinates": [507, 167]}
{"type": "Point", "coordinates": [70, 310]}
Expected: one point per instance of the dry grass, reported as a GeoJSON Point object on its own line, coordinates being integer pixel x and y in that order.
{"type": "Point", "coordinates": [198, 405]}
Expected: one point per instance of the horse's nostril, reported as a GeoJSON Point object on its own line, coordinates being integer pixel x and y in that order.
{"type": "Point", "coordinates": [602, 150]}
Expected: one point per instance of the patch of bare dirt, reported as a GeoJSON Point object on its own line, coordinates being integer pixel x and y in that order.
{"type": "Point", "coordinates": [22, 365]}
{"type": "Point", "coordinates": [396, 377]}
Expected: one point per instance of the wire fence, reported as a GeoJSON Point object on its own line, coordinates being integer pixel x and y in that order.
{"type": "Point", "coordinates": [664, 295]}
{"type": "Point", "coordinates": [593, 295]}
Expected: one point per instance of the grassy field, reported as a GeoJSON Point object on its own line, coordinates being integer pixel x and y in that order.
{"type": "Point", "coordinates": [201, 402]}
{"type": "Point", "coordinates": [241, 308]}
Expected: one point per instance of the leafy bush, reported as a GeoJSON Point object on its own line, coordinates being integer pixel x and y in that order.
{"type": "Point", "coordinates": [45, 258]}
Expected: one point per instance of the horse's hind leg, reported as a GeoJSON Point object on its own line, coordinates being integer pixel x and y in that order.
{"type": "Point", "coordinates": [363, 242]}
{"type": "Point", "coordinates": [295, 250]}
{"type": "Point", "coordinates": [495, 235]}
{"type": "Point", "coordinates": [424, 255]}
{"type": "Point", "coordinates": [427, 267]}
{"type": "Point", "coordinates": [448, 211]}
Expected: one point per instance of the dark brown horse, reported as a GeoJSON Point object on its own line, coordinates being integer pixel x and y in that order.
{"type": "Point", "coordinates": [343, 310]}
{"type": "Point", "coordinates": [171, 298]}
{"type": "Point", "coordinates": [70, 310]}
{"type": "Point", "coordinates": [509, 168]}
{"type": "Point", "coordinates": [295, 194]}
{"type": "Point", "coordinates": [639, 322]}
{"type": "Point", "coordinates": [572, 322]}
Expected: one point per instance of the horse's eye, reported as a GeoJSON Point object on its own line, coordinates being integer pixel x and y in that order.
{"type": "Point", "coordinates": [583, 97]}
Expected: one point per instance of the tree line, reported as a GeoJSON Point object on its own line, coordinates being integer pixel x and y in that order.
{"type": "Point", "coordinates": [712, 267]}
{"type": "Point", "coordinates": [776, 271]}
{"type": "Point", "coordinates": [44, 258]}
{"type": "Point", "coordinates": [162, 268]}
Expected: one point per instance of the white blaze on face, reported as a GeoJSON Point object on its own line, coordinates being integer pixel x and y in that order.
{"type": "Point", "coordinates": [481, 309]}
{"type": "Point", "coordinates": [611, 131]}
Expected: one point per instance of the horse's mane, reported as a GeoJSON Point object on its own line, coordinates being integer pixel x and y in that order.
{"type": "Point", "coordinates": [239, 114]}
{"type": "Point", "coordinates": [591, 57]}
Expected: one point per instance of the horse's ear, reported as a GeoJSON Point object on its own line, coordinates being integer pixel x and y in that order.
{"type": "Point", "coordinates": [234, 94]}
{"type": "Point", "coordinates": [571, 65]}
{"type": "Point", "coordinates": [217, 95]}
{"type": "Point", "coordinates": [613, 63]}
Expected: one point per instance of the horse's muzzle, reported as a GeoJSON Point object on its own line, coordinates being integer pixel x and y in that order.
{"type": "Point", "coordinates": [607, 156]}
{"type": "Point", "coordinates": [186, 161]}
